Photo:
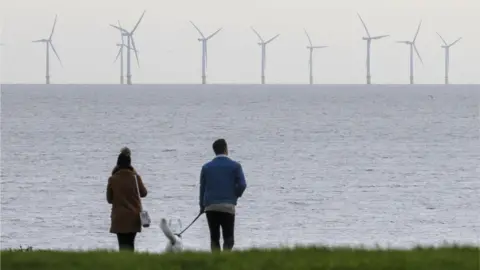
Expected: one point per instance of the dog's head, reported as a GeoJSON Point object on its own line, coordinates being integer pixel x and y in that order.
{"type": "Point", "coordinates": [163, 222]}
{"type": "Point", "coordinates": [173, 238]}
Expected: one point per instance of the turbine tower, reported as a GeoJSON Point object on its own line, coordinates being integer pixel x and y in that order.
{"type": "Point", "coordinates": [310, 61]}
{"type": "Point", "coordinates": [447, 46]}
{"type": "Point", "coordinates": [369, 43]}
{"type": "Point", "coordinates": [204, 40]}
{"type": "Point", "coordinates": [263, 44]}
{"type": "Point", "coordinates": [130, 44]}
{"type": "Point", "coordinates": [120, 54]}
{"type": "Point", "coordinates": [49, 44]}
{"type": "Point", "coordinates": [412, 48]}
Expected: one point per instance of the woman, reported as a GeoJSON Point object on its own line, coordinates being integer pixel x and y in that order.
{"type": "Point", "coordinates": [123, 195]}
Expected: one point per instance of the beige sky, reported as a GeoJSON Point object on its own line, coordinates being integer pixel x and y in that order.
{"type": "Point", "coordinates": [170, 52]}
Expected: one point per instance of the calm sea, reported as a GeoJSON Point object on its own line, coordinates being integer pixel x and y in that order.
{"type": "Point", "coordinates": [329, 165]}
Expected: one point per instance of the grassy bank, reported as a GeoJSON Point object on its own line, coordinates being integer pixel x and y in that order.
{"type": "Point", "coordinates": [457, 258]}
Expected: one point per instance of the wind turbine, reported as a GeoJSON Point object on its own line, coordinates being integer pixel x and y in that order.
{"type": "Point", "coordinates": [447, 46]}
{"type": "Point", "coordinates": [413, 47]}
{"type": "Point", "coordinates": [310, 61]}
{"type": "Point", "coordinates": [263, 44]}
{"type": "Point", "coordinates": [130, 43]}
{"type": "Point", "coordinates": [120, 54]}
{"type": "Point", "coordinates": [204, 40]}
{"type": "Point", "coordinates": [48, 43]}
{"type": "Point", "coordinates": [369, 43]}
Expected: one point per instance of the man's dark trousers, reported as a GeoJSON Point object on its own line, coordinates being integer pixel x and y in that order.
{"type": "Point", "coordinates": [224, 220]}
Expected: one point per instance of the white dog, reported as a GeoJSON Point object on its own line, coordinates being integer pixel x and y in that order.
{"type": "Point", "coordinates": [174, 242]}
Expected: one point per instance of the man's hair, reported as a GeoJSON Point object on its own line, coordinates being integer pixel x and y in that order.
{"type": "Point", "coordinates": [219, 146]}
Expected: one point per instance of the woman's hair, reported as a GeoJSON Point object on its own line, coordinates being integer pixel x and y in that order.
{"type": "Point", "coordinates": [124, 160]}
{"type": "Point", "coordinates": [126, 151]}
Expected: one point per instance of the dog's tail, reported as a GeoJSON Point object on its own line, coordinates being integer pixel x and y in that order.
{"type": "Point", "coordinates": [166, 230]}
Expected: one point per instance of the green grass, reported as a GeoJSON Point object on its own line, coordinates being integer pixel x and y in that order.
{"type": "Point", "coordinates": [302, 258]}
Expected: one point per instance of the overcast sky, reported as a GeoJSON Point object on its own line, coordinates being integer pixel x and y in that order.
{"type": "Point", "coordinates": [170, 52]}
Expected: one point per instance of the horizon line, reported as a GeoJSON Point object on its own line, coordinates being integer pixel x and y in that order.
{"type": "Point", "coordinates": [247, 84]}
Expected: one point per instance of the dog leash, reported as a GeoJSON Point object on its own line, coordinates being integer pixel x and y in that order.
{"type": "Point", "coordinates": [180, 234]}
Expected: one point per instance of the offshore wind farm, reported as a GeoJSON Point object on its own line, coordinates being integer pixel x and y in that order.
{"type": "Point", "coordinates": [127, 46]}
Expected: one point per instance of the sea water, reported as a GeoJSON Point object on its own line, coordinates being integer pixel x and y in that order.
{"type": "Point", "coordinates": [326, 165]}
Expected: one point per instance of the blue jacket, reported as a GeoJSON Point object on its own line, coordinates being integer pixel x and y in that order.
{"type": "Point", "coordinates": [221, 181]}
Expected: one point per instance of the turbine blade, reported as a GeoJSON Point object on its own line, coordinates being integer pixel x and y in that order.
{"type": "Point", "coordinates": [53, 28]}
{"type": "Point", "coordinates": [418, 54]}
{"type": "Point", "coordinates": [55, 51]}
{"type": "Point", "coordinates": [418, 30]}
{"type": "Point", "coordinates": [319, 47]}
{"type": "Point", "coordinates": [270, 40]}
{"type": "Point", "coordinates": [454, 42]}
{"type": "Point", "coordinates": [404, 42]}
{"type": "Point", "coordinates": [444, 42]}
{"type": "Point", "coordinates": [209, 37]}
{"type": "Point", "coordinates": [197, 29]}
{"type": "Point", "coordinates": [40, 40]}
{"type": "Point", "coordinates": [118, 54]}
{"type": "Point", "coordinates": [121, 32]}
{"type": "Point", "coordinates": [364, 25]}
{"type": "Point", "coordinates": [258, 35]}
{"type": "Point", "coordinates": [136, 26]}
{"type": "Point", "coordinates": [135, 50]}
{"type": "Point", "coordinates": [380, 37]}
{"type": "Point", "coordinates": [309, 40]}
{"type": "Point", "coordinates": [119, 28]}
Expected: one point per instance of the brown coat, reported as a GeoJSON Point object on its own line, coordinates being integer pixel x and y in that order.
{"type": "Point", "coordinates": [122, 194]}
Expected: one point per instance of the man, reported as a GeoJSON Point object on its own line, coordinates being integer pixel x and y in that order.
{"type": "Point", "coordinates": [222, 182]}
